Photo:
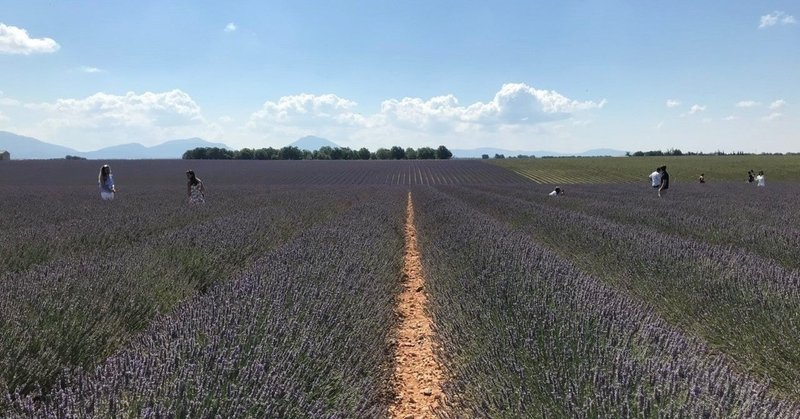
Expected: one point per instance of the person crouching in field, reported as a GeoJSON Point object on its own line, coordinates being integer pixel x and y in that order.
{"type": "Point", "coordinates": [702, 178]}
{"type": "Point", "coordinates": [655, 178]}
{"type": "Point", "coordinates": [106, 182]}
{"type": "Point", "coordinates": [556, 192]}
{"type": "Point", "coordinates": [195, 189]}
{"type": "Point", "coordinates": [662, 189]}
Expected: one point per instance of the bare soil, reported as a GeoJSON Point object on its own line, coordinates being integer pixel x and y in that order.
{"type": "Point", "coordinates": [418, 374]}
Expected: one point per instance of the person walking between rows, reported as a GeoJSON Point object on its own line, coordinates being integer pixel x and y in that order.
{"type": "Point", "coordinates": [195, 189]}
{"type": "Point", "coordinates": [106, 181]}
{"type": "Point", "coordinates": [760, 179]}
{"type": "Point", "coordinates": [655, 178]}
{"type": "Point", "coordinates": [664, 185]}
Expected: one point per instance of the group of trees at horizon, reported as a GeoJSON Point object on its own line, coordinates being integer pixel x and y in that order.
{"type": "Point", "coordinates": [323, 153]}
{"type": "Point", "coordinates": [678, 152]}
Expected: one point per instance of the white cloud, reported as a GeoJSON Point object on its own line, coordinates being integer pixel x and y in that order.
{"type": "Point", "coordinates": [87, 69]}
{"type": "Point", "coordinates": [747, 104]}
{"type": "Point", "coordinates": [672, 103]}
{"type": "Point", "coordinates": [230, 27]}
{"type": "Point", "coordinates": [776, 18]}
{"type": "Point", "coordinates": [696, 108]}
{"type": "Point", "coordinates": [148, 118]}
{"type": "Point", "coordinates": [773, 116]}
{"type": "Point", "coordinates": [516, 110]}
{"type": "Point", "coordinates": [3, 117]}
{"type": "Point", "coordinates": [729, 118]}
{"type": "Point", "coordinates": [777, 104]}
{"type": "Point", "coordinates": [514, 104]}
{"type": "Point", "coordinates": [306, 110]}
{"type": "Point", "coordinates": [14, 40]}
{"type": "Point", "coordinates": [7, 101]}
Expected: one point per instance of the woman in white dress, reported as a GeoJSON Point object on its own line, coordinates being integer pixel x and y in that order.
{"type": "Point", "coordinates": [106, 181]}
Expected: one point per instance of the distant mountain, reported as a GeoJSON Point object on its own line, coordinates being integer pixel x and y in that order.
{"type": "Point", "coordinates": [22, 147]}
{"type": "Point", "coordinates": [169, 150]}
{"type": "Point", "coordinates": [312, 143]}
{"type": "Point", "coordinates": [478, 152]}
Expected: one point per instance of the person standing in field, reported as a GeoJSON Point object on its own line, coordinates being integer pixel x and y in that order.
{"type": "Point", "coordinates": [664, 185]}
{"type": "Point", "coordinates": [760, 179]}
{"type": "Point", "coordinates": [655, 178]}
{"type": "Point", "coordinates": [106, 181]}
{"type": "Point", "coordinates": [750, 176]}
{"type": "Point", "coordinates": [702, 178]}
{"type": "Point", "coordinates": [195, 189]}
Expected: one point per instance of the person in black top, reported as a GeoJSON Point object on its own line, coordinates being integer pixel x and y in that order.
{"type": "Point", "coordinates": [664, 181]}
{"type": "Point", "coordinates": [751, 176]}
{"type": "Point", "coordinates": [702, 178]}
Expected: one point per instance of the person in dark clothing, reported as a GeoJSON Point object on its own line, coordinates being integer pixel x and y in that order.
{"type": "Point", "coordinates": [702, 178]}
{"type": "Point", "coordinates": [664, 181]}
{"type": "Point", "coordinates": [751, 176]}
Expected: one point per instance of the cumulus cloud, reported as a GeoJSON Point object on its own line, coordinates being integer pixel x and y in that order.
{"type": "Point", "coordinates": [230, 27]}
{"type": "Point", "coordinates": [147, 109]}
{"type": "Point", "coordinates": [516, 110]}
{"type": "Point", "coordinates": [14, 40]}
{"type": "Point", "coordinates": [514, 104]}
{"type": "Point", "coordinates": [747, 104]}
{"type": "Point", "coordinates": [307, 109]}
{"type": "Point", "coordinates": [696, 108]}
{"type": "Point", "coordinates": [776, 18]}
{"type": "Point", "coordinates": [777, 104]}
{"type": "Point", "coordinates": [773, 116]}
{"type": "Point", "coordinates": [672, 103]}
{"type": "Point", "coordinates": [148, 118]}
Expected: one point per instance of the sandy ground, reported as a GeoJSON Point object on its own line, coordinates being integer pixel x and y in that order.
{"type": "Point", "coordinates": [418, 375]}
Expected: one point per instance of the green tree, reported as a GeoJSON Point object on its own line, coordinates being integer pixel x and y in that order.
{"type": "Point", "coordinates": [426, 153]}
{"type": "Point", "coordinates": [383, 154]}
{"type": "Point", "coordinates": [443, 153]}
{"type": "Point", "coordinates": [398, 153]}
{"type": "Point", "coordinates": [363, 153]}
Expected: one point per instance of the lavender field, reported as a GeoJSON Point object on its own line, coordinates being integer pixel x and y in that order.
{"type": "Point", "coordinates": [276, 297]}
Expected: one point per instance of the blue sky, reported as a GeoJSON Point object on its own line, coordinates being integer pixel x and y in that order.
{"type": "Point", "coordinates": [563, 76]}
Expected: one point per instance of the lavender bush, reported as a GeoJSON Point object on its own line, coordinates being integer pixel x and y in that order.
{"type": "Point", "coordinates": [526, 334]}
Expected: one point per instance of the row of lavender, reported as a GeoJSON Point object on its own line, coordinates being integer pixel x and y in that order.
{"type": "Point", "coordinates": [106, 277]}
{"type": "Point", "coordinates": [140, 175]}
{"type": "Point", "coordinates": [738, 301]}
{"type": "Point", "coordinates": [765, 221]}
{"type": "Point", "coordinates": [525, 333]}
{"type": "Point", "coordinates": [303, 332]}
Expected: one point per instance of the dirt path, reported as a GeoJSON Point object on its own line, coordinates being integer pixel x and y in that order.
{"type": "Point", "coordinates": [418, 375]}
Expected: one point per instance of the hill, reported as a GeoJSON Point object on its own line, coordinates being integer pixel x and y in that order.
{"type": "Point", "coordinates": [22, 147]}
{"type": "Point", "coordinates": [311, 142]}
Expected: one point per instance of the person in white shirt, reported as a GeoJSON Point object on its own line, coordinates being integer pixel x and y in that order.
{"type": "Point", "coordinates": [760, 179]}
{"type": "Point", "coordinates": [655, 178]}
{"type": "Point", "coordinates": [556, 192]}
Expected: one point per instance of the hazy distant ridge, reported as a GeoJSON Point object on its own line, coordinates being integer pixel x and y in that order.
{"type": "Point", "coordinates": [22, 147]}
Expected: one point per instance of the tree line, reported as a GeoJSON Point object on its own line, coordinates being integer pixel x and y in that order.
{"type": "Point", "coordinates": [324, 153]}
{"type": "Point", "coordinates": [677, 152]}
